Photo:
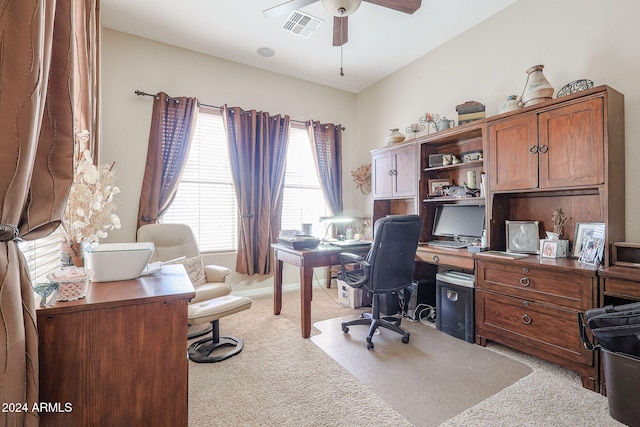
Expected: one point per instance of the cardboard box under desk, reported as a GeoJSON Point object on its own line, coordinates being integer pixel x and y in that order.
{"type": "Point", "coordinates": [352, 297]}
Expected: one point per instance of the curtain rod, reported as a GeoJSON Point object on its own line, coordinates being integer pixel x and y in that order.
{"type": "Point", "coordinates": [141, 93]}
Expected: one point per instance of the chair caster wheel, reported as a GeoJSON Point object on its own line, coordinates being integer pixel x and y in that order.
{"type": "Point", "coordinates": [369, 345]}
{"type": "Point", "coordinates": [405, 339]}
{"type": "Point", "coordinates": [345, 329]}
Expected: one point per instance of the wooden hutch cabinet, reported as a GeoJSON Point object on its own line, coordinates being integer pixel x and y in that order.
{"type": "Point", "coordinates": [394, 171]}
{"type": "Point", "coordinates": [565, 153]}
{"type": "Point", "coordinates": [460, 140]}
{"type": "Point", "coordinates": [560, 147]}
{"type": "Point", "coordinates": [394, 180]}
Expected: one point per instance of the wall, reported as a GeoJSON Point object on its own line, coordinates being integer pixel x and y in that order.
{"type": "Point", "coordinates": [130, 63]}
{"type": "Point", "coordinates": [575, 39]}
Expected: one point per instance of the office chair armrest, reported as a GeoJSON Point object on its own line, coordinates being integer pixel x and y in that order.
{"type": "Point", "coordinates": [349, 257]}
{"type": "Point", "coordinates": [353, 279]}
{"type": "Point", "coordinates": [215, 273]}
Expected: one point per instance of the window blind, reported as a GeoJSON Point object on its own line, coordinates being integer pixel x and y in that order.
{"type": "Point", "coordinates": [205, 199]}
{"type": "Point", "coordinates": [42, 255]}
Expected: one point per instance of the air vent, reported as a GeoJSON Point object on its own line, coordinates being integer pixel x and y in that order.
{"type": "Point", "coordinates": [301, 24]}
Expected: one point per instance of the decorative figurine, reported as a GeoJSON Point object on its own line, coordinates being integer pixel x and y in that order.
{"type": "Point", "coordinates": [558, 220]}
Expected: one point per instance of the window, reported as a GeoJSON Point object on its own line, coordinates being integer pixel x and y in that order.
{"type": "Point", "coordinates": [42, 255]}
{"type": "Point", "coordinates": [206, 199]}
{"type": "Point", "coordinates": [303, 202]}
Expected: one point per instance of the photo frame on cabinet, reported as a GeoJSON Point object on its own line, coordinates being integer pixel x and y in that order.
{"type": "Point", "coordinates": [549, 249]}
{"type": "Point", "coordinates": [589, 235]}
{"type": "Point", "coordinates": [523, 237]}
{"type": "Point", "coordinates": [437, 186]}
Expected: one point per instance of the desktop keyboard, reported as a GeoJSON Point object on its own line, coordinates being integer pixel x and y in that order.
{"type": "Point", "coordinates": [447, 244]}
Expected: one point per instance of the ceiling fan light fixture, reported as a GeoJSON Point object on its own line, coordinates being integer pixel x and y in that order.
{"type": "Point", "coordinates": [341, 7]}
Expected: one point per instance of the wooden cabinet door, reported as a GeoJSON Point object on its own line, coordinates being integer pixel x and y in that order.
{"type": "Point", "coordinates": [513, 159]}
{"type": "Point", "coordinates": [404, 172]}
{"type": "Point", "coordinates": [571, 145]}
{"type": "Point", "coordinates": [381, 175]}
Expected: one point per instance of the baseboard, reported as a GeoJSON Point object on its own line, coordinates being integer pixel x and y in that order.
{"type": "Point", "coordinates": [265, 290]}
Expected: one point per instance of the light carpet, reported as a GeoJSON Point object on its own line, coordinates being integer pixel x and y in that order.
{"type": "Point", "coordinates": [281, 379]}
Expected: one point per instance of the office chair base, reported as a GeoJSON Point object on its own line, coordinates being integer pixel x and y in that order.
{"type": "Point", "coordinates": [198, 332]}
{"type": "Point", "coordinates": [200, 351]}
{"type": "Point", "coordinates": [391, 323]}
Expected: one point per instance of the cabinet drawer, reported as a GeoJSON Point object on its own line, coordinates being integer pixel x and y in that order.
{"type": "Point", "coordinates": [554, 287]}
{"type": "Point", "coordinates": [441, 258]}
{"type": "Point", "coordinates": [548, 328]}
{"type": "Point", "coordinates": [622, 288]}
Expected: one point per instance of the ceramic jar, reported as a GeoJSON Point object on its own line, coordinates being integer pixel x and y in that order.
{"type": "Point", "coordinates": [510, 104]}
{"type": "Point", "coordinates": [394, 137]}
{"type": "Point", "coordinates": [537, 89]}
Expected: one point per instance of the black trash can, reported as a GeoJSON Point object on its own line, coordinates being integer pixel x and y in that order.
{"type": "Point", "coordinates": [622, 376]}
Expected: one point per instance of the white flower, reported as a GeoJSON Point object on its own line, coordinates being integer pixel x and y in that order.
{"type": "Point", "coordinates": [91, 204]}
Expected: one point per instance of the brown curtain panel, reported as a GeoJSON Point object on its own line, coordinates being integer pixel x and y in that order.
{"type": "Point", "coordinates": [173, 122]}
{"type": "Point", "coordinates": [326, 144]}
{"type": "Point", "coordinates": [258, 152]}
{"type": "Point", "coordinates": [42, 100]}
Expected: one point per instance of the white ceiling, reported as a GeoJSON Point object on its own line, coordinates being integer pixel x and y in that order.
{"type": "Point", "coordinates": [381, 40]}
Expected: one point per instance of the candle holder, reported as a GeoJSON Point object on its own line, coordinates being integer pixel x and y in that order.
{"type": "Point", "coordinates": [415, 128]}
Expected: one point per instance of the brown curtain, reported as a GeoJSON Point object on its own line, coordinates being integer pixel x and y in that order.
{"type": "Point", "coordinates": [257, 152]}
{"type": "Point", "coordinates": [173, 122]}
{"type": "Point", "coordinates": [39, 109]}
{"type": "Point", "coordinates": [326, 144]}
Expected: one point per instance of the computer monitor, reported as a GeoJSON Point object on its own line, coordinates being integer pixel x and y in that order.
{"type": "Point", "coordinates": [459, 221]}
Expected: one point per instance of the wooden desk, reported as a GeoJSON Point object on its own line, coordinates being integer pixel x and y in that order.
{"type": "Point", "coordinates": [119, 355]}
{"type": "Point", "coordinates": [306, 260]}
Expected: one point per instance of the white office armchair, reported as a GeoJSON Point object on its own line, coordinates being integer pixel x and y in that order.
{"type": "Point", "coordinates": [212, 300]}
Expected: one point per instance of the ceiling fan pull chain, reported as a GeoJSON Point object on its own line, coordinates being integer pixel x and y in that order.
{"type": "Point", "coordinates": [341, 11]}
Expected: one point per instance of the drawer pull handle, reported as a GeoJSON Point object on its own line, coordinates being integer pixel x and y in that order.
{"type": "Point", "coordinates": [436, 258]}
{"type": "Point", "coordinates": [525, 281]}
{"type": "Point", "coordinates": [543, 149]}
{"type": "Point", "coordinates": [533, 149]}
{"type": "Point", "coordinates": [526, 319]}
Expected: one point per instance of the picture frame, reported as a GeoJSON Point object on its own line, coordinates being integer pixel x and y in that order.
{"type": "Point", "coordinates": [437, 186]}
{"type": "Point", "coordinates": [589, 242]}
{"type": "Point", "coordinates": [549, 249]}
{"type": "Point", "coordinates": [586, 231]}
{"type": "Point", "coordinates": [523, 236]}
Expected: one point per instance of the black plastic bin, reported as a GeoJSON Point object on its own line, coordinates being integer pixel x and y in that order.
{"type": "Point", "coordinates": [622, 376]}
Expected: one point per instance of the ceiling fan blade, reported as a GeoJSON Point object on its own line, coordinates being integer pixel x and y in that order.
{"type": "Point", "coordinates": [286, 8]}
{"type": "Point", "coordinates": [340, 30]}
{"type": "Point", "coordinates": [406, 6]}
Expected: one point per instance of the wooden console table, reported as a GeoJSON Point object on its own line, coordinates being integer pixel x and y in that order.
{"type": "Point", "coordinates": [306, 260]}
{"type": "Point", "coordinates": [119, 355]}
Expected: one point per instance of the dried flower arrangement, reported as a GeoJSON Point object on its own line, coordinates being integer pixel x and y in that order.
{"type": "Point", "coordinates": [362, 178]}
{"type": "Point", "coordinates": [90, 208]}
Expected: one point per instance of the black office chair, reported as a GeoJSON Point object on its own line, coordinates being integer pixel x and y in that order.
{"type": "Point", "coordinates": [388, 267]}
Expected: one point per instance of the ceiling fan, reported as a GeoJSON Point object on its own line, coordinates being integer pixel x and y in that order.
{"type": "Point", "coordinates": [341, 9]}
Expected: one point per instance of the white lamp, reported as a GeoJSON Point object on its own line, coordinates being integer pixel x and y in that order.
{"type": "Point", "coordinates": [341, 7]}
{"type": "Point", "coordinates": [333, 220]}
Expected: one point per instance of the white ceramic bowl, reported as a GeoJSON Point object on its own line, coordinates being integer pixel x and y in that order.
{"type": "Point", "coordinates": [118, 261]}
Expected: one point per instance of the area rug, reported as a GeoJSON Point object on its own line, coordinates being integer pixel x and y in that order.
{"type": "Point", "coordinates": [429, 380]}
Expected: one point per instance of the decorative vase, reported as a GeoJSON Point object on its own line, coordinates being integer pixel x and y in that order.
{"type": "Point", "coordinates": [511, 104]}
{"type": "Point", "coordinates": [71, 254]}
{"type": "Point", "coordinates": [394, 137]}
{"type": "Point", "coordinates": [537, 89]}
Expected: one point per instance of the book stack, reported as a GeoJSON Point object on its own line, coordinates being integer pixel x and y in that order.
{"type": "Point", "coordinates": [470, 111]}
